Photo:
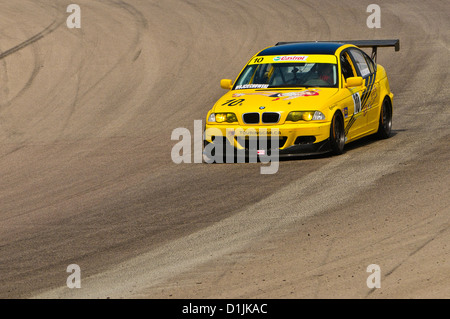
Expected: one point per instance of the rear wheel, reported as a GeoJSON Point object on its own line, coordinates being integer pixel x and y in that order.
{"type": "Point", "coordinates": [337, 134]}
{"type": "Point", "coordinates": [385, 124]}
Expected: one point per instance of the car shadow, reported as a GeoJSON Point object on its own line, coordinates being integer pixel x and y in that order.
{"type": "Point", "coordinates": [367, 140]}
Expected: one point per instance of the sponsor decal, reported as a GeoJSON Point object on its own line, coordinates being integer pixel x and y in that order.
{"type": "Point", "coordinates": [257, 132]}
{"type": "Point", "coordinates": [292, 58]}
{"type": "Point", "coordinates": [346, 112]}
{"type": "Point", "coordinates": [294, 95]}
{"type": "Point", "coordinates": [252, 86]}
{"type": "Point", "coordinates": [282, 95]}
{"type": "Point", "coordinates": [287, 58]}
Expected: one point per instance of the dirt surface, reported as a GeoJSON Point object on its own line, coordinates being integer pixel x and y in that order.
{"type": "Point", "coordinates": [86, 117]}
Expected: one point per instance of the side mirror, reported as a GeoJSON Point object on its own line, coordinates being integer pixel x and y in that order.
{"type": "Point", "coordinates": [226, 84]}
{"type": "Point", "coordinates": [354, 81]}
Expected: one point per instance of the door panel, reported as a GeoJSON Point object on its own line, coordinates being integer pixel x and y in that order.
{"type": "Point", "coordinates": [372, 107]}
{"type": "Point", "coordinates": [366, 68]}
{"type": "Point", "coordinates": [357, 122]}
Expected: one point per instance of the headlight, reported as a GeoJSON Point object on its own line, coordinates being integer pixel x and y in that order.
{"type": "Point", "coordinates": [212, 117]}
{"type": "Point", "coordinates": [294, 116]}
{"type": "Point", "coordinates": [305, 116]}
{"type": "Point", "coordinates": [222, 117]}
{"type": "Point", "coordinates": [318, 116]}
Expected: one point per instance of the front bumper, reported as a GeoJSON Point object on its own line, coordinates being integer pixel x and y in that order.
{"type": "Point", "coordinates": [288, 139]}
{"type": "Point", "coordinates": [306, 149]}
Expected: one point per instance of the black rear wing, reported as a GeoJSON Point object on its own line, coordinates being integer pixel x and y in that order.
{"type": "Point", "coordinates": [374, 44]}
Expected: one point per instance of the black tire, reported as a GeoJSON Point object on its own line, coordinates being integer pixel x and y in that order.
{"type": "Point", "coordinates": [337, 134]}
{"type": "Point", "coordinates": [385, 123]}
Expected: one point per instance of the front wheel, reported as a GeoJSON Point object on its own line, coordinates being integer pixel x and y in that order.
{"type": "Point", "coordinates": [385, 123]}
{"type": "Point", "coordinates": [337, 134]}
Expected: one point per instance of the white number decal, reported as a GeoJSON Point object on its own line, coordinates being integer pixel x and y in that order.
{"type": "Point", "coordinates": [357, 102]}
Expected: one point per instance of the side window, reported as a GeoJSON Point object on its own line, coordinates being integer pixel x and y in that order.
{"type": "Point", "coordinates": [361, 63]}
{"type": "Point", "coordinates": [346, 66]}
{"type": "Point", "coordinates": [370, 63]}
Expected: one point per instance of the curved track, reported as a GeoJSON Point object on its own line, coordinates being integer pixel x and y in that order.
{"type": "Point", "coordinates": [86, 117]}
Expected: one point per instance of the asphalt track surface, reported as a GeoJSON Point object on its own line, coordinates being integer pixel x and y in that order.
{"type": "Point", "coordinates": [86, 175]}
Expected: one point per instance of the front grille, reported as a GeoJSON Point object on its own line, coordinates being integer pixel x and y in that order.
{"type": "Point", "coordinates": [251, 118]}
{"type": "Point", "coordinates": [270, 117]}
{"type": "Point", "coordinates": [257, 142]}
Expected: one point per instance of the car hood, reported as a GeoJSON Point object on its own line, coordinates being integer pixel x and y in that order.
{"type": "Point", "coordinates": [243, 101]}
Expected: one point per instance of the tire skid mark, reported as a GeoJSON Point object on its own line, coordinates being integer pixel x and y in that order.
{"type": "Point", "coordinates": [141, 23]}
{"type": "Point", "coordinates": [415, 251]}
{"type": "Point", "coordinates": [48, 30]}
{"type": "Point", "coordinates": [73, 104]}
{"type": "Point", "coordinates": [14, 150]}
{"type": "Point", "coordinates": [139, 19]}
{"type": "Point", "coordinates": [132, 53]}
{"type": "Point", "coordinates": [36, 69]}
{"type": "Point", "coordinates": [4, 79]}
{"type": "Point", "coordinates": [412, 253]}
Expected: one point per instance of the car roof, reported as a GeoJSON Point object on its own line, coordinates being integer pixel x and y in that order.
{"type": "Point", "coordinates": [302, 48]}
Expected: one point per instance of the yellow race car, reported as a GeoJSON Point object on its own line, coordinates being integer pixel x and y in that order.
{"type": "Point", "coordinates": [302, 98]}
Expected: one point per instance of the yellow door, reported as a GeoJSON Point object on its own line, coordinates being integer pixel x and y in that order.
{"type": "Point", "coordinates": [355, 119]}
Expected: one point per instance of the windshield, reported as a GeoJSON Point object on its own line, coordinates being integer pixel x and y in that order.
{"type": "Point", "coordinates": [269, 75]}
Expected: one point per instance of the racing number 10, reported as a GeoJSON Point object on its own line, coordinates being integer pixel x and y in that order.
{"type": "Point", "coordinates": [233, 102]}
{"type": "Point", "coordinates": [357, 102]}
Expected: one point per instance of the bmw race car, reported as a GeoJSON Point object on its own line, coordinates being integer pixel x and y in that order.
{"type": "Point", "coordinates": [302, 98]}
